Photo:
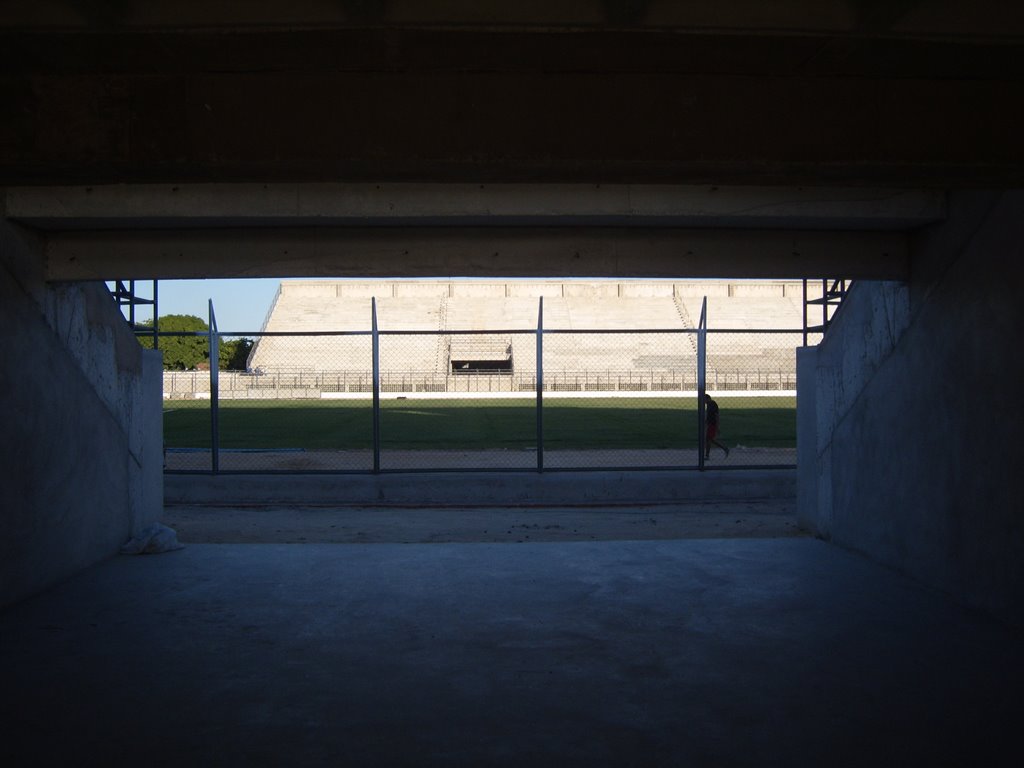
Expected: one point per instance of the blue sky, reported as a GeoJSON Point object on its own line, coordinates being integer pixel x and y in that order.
{"type": "Point", "coordinates": [240, 305]}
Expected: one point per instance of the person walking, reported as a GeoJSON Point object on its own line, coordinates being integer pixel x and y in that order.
{"type": "Point", "coordinates": [711, 427]}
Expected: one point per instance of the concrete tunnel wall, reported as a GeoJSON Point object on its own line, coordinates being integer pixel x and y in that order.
{"type": "Point", "coordinates": [912, 404]}
{"type": "Point", "coordinates": [81, 454]}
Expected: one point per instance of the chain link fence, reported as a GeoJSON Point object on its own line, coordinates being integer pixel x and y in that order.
{"type": "Point", "coordinates": [519, 399]}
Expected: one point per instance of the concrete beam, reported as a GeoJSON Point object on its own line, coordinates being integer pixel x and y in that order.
{"type": "Point", "coordinates": [577, 127]}
{"type": "Point", "coordinates": [131, 206]}
{"type": "Point", "coordinates": [991, 54]}
{"type": "Point", "coordinates": [474, 252]}
{"type": "Point", "coordinates": [909, 19]}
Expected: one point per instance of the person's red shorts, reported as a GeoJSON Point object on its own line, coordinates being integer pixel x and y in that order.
{"type": "Point", "coordinates": [712, 431]}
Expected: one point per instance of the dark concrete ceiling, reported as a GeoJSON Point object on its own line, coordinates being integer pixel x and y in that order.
{"type": "Point", "coordinates": [851, 92]}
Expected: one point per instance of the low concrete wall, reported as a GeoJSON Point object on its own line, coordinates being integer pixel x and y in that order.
{"type": "Point", "coordinates": [362, 290]}
{"type": "Point", "coordinates": [549, 288]}
{"type": "Point", "coordinates": [533, 290]}
{"type": "Point", "coordinates": [646, 290]}
{"type": "Point", "coordinates": [918, 413]}
{"type": "Point", "coordinates": [478, 290]}
{"type": "Point", "coordinates": [483, 489]}
{"type": "Point", "coordinates": [82, 449]}
{"type": "Point", "coordinates": [322, 290]}
{"type": "Point", "coordinates": [419, 290]}
{"type": "Point", "coordinates": [594, 290]}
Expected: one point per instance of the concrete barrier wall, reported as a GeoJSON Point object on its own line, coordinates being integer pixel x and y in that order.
{"type": "Point", "coordinates": [82, 448]}
{"type": "Point", "coordinates": [478, 290]}
{"type": "Point", "coordinates": [487, 488]}
{"type": "Point", "coordinates": [195, 385]}
{"type": "Point", "coordinates": [591, 290]}
{"type": "Point", "coordinates": [420, 290]}
{"type": "Point", "coordinates": [646, 290]}
{"type": "Point", "coordinates": [361, 290]}
{"type": "Point", "coordinates": [326, 290]}
{"type": "Point", "coordinates": [535, 288]}
{"type": "Point", "coordinates": [918, 415]}
{"type": "Point", "coordinates": [767, 290]}
{"type": "Point", "coordinates": [698, 290]}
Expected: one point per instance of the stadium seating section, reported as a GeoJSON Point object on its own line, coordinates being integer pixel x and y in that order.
{"type": "Point", "coordinates": [331, 321]}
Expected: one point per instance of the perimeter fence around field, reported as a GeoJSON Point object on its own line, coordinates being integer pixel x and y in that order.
{"type": "Point", "coordinates": [381, 400]}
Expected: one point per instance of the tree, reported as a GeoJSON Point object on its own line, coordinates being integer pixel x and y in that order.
{"type": "Point", "coordinates": [234, 354]}
{"type": "Point", "coordinates": [185, 353]}
{"type": "Point", "coordinates": [181, 353]}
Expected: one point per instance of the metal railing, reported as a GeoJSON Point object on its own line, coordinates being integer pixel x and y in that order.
{"type": "Point", "coordinates": [833, 291]}
{"type": "Point", "coordinates": [317, 384]}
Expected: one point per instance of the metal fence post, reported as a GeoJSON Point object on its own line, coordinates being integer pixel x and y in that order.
{"type": "Point", "coordinates": [805, 310]}
{"type": "Point", "coordinates": [214, 393]}
{"type": "Point", "coordinates": [540, 384]}
{"type": "Point", "coordinates": [376, 385]}
{"type": "Point", "coordinates": [156, 317]}
{"type": "Point", "coordinates": [702, 361]}
{"type": "Point", "coordinates": [824, 304]}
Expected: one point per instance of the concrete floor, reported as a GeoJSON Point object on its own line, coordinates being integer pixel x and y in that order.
{"type": "Point", "coordinates": [733, 652]}
{"type": "Point", "coordinates": [278, 524]}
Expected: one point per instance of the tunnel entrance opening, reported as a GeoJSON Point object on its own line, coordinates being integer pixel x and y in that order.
{"type": "Point", "coordinates": [481, 366]}
{"type": "Point", "coordinates": [368, 377]}
{"type": "Point", "coordinates": [480, 355]}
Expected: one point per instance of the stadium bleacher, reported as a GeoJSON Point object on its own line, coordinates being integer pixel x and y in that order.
{"type": "Point", "coordinates": [444, 308]}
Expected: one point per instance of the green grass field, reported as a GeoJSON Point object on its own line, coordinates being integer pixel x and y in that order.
{"type": "Point", "coordinates": [478, 424]}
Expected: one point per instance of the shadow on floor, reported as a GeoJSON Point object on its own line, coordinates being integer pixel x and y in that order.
{"type": "Point", "coordinates": [741, 652]}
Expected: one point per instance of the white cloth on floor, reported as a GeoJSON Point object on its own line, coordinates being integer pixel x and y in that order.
{"type": "Point", "coordinates": [152, 540]}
